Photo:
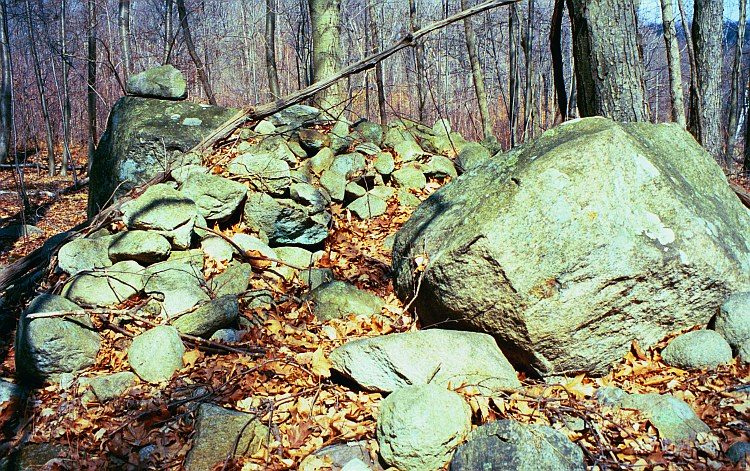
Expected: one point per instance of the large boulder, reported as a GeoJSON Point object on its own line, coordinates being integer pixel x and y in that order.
{"type": "Point", "coordinates": [144, 137]}
{"type": "Point", "coordinates": [571, 247]}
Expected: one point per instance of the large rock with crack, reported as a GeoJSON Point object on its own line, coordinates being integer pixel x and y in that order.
{"type": "Point", "coordinates": [571, 247]}
{"type": "Point", "coordinates": [144, 137]}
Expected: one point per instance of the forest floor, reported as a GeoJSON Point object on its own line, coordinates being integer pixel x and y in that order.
{"type": "Point", "coordinates": [292, 388]}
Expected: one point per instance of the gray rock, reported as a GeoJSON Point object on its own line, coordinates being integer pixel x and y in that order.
{"type": "Point", "coordinates": [353, 190]}
{"type": "Point", "coordinates": [264, 172]}
{"type": "Point", "coordinates": [156, 354]}
{"type": "Point", "coordinates": [19, 230]}
{"type": "Point", "coordinates": [673, 418]}
{"type": "Point", "coordinates": [316, 276]}
{"type": "Point", "coordinates": [405, 198]}
{"type": "Point", "coordinates": [164, 209]}
{"type": "Point", "coordinates": [285, 221]}
{"type": "Point", "coordinates": [307, 195]}
{"type": "Point", "coordinates": [144, 247]}
{"type": "Point", "coordinates": [234, 280]}
{"type": "Point", "coordinates": [510, 445]}
{"type": "Point", "coordinates": [216, 197]}
{"type": "Point", "coordinates": [297, 116]}
{"type": "Point", "coordinates": [443, 357]}
{"type": "Point", "coordinates": [217, 430]}
{"type": "Point", "coordinates": [419, 427]}
{"type": "Point", "coordinates": [217, 248]}
{"type": "Point", "coordinates": [107, 387]}
{"type": "Point", "coordinates": [738, 453]}
{"type": "Point", "coordinates": [349, 456]}
{"type": "Point", "coordinates": [278, 147]}
{"type": "Point", "coordinates": [265, 127]}
{"type": "Point", "coordinates": [321, 161]}
{"type": "Point", "coordinates": [579, 285]}
{"type": "Point", "coordinates": [443, 144]}
{"type": "Point", "coordinates": [159, 82]}
{"type": "Point", "coordinates": [178, 282]}
{"type": "Point", "coordinates": [10, 392]}
{"type": "Point", "coordinates": [368, 206]}
{"type": "Point", "coordinates": [227, 336]}
{"type": "Point", "coordinates": [367, 148]}
{"type": "Point", "coordinates": [312, 140]}
{"type": "Point", "coordinates": [46, 347]}
{"type": "Point", "coordinates": [143, 138]}
{"type": "Point", "coordinates": [408, 150]}
{"type": "Point", "coordinates": [384, 163]}
{"type": "Point", "coordinates": [210, 317]}
{"type": "Point", "coordinates": [296, 256]}
{"type": "Point", "coordinates": [349, 165]}
{"type": "Point", "coordinates": [383, 192]}
{"type": "Point", "coordinates": [744, 352]}
{"type": "Point", "coordinates": [110, 286]}
{"type": "Point", "coordinates": [394, 135]}
{"type": "Point", "coordinates": [733, 320]}
{"type": "Point", "coordinates": [250, 243]}
{"type": "Point", "coordinates": [409, 178]}
{"type": "Point", "coordinates": [441, 166]}
{"type": "Point", "coordinates": [180, 174]}
{"type": "Point", "coordinates": [700, 349]}
{"type": "Point", "coordinates": [340, 137]}
{"type": "Point", "coordinates": [610, 396]}
{"type": "Point", "coordinates": [35, 456]}
{"type": "Point", "coordinates": [335, 183]}
{"type": "Point", "coordinates": [337, 299]}
{"type": "Point", "coordinates": [370, 131]}
{"type": "Point", "coordinates": [84, 254]}
{"type": "Point", "coordinates": [471, 156]}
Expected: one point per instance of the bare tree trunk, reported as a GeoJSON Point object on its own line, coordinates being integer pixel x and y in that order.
{"type": "Point", "coordinates": [375, 33]}
{"type": "Point", "coordinates": [123, 23]}
{"type": "Point", "coordinates": [514, 31]}
{"type": "Point", "coordinates": [168, 34]}
{"type": "Point", "coordinates": [325, 19]}
{"type": "Point", "coordinates": [199, 67]}
{"type": "Point", "coordinates": [736, 91]}
{"type": "Point", "coordinates": [41, 89]}
{"type": "Point", "coordinates": [6, 87]}
{"type": "Point", "coordinates": [273, 73]}
{"type": "Point", "coordinates": [558, 73]}
{"type": "Point", "coordinates": [91, 33]}
{"type": "Point", "coordinates": [676, 94]}
{"type": "Point", "coordinates": [609, 71]}
{"type": "Point", "coordinates": [705, 100]}
{"type": "Point", "coordinates": [527, 44]}
{"type": "Point", "coordinates": [418, 62]}
{"type": "Point", "coordinates": [65, 66]}
{"type": "Point", "coordinates": [477, 76]}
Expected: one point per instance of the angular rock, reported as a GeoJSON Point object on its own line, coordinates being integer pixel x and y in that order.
{"type": "Point", "coordinates": [210, 317]}
{"type": "Point", "coordinates": [10, 393]}
{"type": "Point", "coordinates": [405, 198]}
{"type": "Point", "coordinates": [164, 209]}
{"type": "Point", "coordinates": [700, 349]}
{"type": "Point", "coordinates": [337, 299]}
{"type": "Point", "coordinates": [216, 197]}
{"type": "Point", "coordinates": [443, 357]}
{"type": "Point", "coordinates": [142, 137]}
{"type": "Point", "coordinates": [349, 456]}
{"type": "Point", "coordinates": [673, 418]}
{"type": "Point", "coordinates": [316, 276]}
{"type": "Point", "coordinates": [217, 248]}
{"type": "Point", "coordinates": [353, 190]}
{"type": "Point", "coordinates": [395, 135]}
{"type": "Point", "coordinates": [367, 148]}
{"type": "Point", "coordinates": [296, 256]}
{"type": "Point", "coordinates": [408, 150]}
{"type": "Point", "coordinates": [178, 282]}
{"type": "Point", "coordinates": [249, 243]}
{"type": "Point", "coordinates": [384, 163]}
{"type": "Point", "coordinates": [510, 445]}
{"type": "Point", "coordinates": [265, 127]}
{"type": "Point", "coordinates": [307, 195]}
{"type": "Point", "coordinates": [180, 174]}
{"type": "Point", "coordinates": [313, 140]}
{"type": "Point", "coordinates": [471, 156]}
{"type": "Point", "coordinates": [84, 254]}
{"type": "Point", "coordinates": [285, 221]}
{"type": "Point", "coordinates": [409, 178]}
{"type": "Point", "coordinates": [335, 183]}
{"type": "Point", "coordinates": [217, 432]}
{"type": "Point", "coordinates": [107, 387]}
{"type": "Point", "coordinates": [144, 247]}
{"type": "Point", "coordinates": [383, 192]}
{"type": "Point", "coordinates": [349, 165]}
{"type": "Point", "coordinates": [372, 132]}
{"type": "Point", "coordinates": [227, 336]}
{"type": "Point", "coordinates": [368, 206]}
{"type": "Point", "coordinates": [743, 353]}
{"type": "Point", "coordinates": [297, 116]}
{"type": "Point", "coordinates": [156, 354]}
{"type": "Point", "coordinates": [441, 166]}
{"type": "Point", "coordinates": [321, 161]}
{"type": "Point", "coordinates": [419, 427]}
{"type": "Point", "coordinates": [234, 280]}
{"type": "Point", "coordinates": [264, 172]}
{"type": "Point", "coordinates": [110, 286]}
{"type": "Point", "coordinates": [164, 82]}
{"type": "Point", "coordinates": [566, 266]}
{"type": "Point", "coordinates": [35, 456]}
{"type": "Point", "coordinates": [46, 347]}
{"type": "Point", "coordinates": [733, 320]}
{"type": "Point", "coordinates": [739, 453]}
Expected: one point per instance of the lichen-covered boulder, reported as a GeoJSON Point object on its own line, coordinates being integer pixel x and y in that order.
{"type": "Point", "coordinates": [574, 245]}
{"type": "Point", "coordinates": [144, 137]}
{"type": "Point", "coordinates": [215, 196]}
{"type": "Point", "coordinates": [733, 320]}
{"type": "Point", "coordinates": [700, 349]}
{"type": "Point", "coordinates": [158, 82]}
{"type": "Point", "coordinates": [156, 354]}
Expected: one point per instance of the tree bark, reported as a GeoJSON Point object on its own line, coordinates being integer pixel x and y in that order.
{"type": "Point", "coordinates": [418, 62]}
{"type": "Point", "coordinates": [41, 89]}
{"type": "Point", "coordinates": [200, 69]}
{"type": "Point", "coordinates": [527, 44]}
{"type": "Point", "coordinates": [674, 67]}
{"type": "Point", "coordinates": [123, 23]}
{"type": "Point", "coordinates": [271, 69]}
{"type": "Point", "coordinates": [558, 73]}
{"type": "Point", "coordinates": [476, 74]}
{"type": "Point", "coordinates": [325, 19]}
{"type": "Point", "coordinates": [705, 100]}
{"type": "Point", "coordinates": [6, 87]}
{"type": "Point", "coordinates": [375, 43]}
{"type": "Point", "coordinates": [737, 90]}
{"type": "Point", "coordinates": [91, 33]}
{"type": "Point", "coordinates": [65, 66]}
{"type": "Point", "coordinates": [168, 30]}
{"type": "Point", "coordinates": [514, 72]}
{"type": "Point", "coordinates": [609, 71]}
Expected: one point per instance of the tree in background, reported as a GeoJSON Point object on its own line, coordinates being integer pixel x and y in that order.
{"type": "Point", "coordinates": [736, 91]}
{"type": "Point", "coordinates": [672, 48]}
{"type": "Point", "coordinates": [123, 20]}
{"type": "Point", "coordinates": [200, 68]}
{"type": "Point", "coordinates": [705, 97]}
{"type": "Point", "coordinates": [91, 38]}
{"type": "Point", "coordinates": [6, 84]}
{"type": "Point", "coordinates": [271, 68]}
{"type": "Point", "coordinates": [325, 19]}
{"type": "Point", "coordinates": [477, 75]}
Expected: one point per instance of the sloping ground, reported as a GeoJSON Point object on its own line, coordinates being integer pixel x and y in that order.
{"type": "Point", "coordinates": [292, 390]}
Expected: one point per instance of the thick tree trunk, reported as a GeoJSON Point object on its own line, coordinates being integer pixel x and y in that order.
{"type": "Point", "coordinates": [271, 69]}
{"type": "Point", "coordinates": [123, 23]}
{"type": "Point", "coordinates": [6, 87]}
{"type": "Point", "coordinates": [325, 19]}
{"type": "Point", "coordinates": [676, 93]}
{"type": "Point", "coordinates": [477, 76]}
{"type": "Point", "coordinates": [199, 67]}
{"type": "Point", "coordinates": [558, 73]}
{"type": "Point", "coordinates": [65, 66]}
{"type": "Point", "coordinates": [91, 32]}
{"type": "Point", "coordinates": [418, 62]}
{"type": "Point", "coordinates": [705, 101]}
{"type": "Point", "coordinates": [375, 47]}
{"type": "Point", "coordinates": [42, 91]}
{"type": "Point", "coordinates": [609, 71]}
{"type": "Point", "coordinates": [737, 90]}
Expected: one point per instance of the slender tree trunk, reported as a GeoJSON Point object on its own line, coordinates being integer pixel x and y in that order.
{"type": "Point", "coordinates": [41, 89]}
{"type": "Point", "coordinates": [746, 152]}
{"type": "Point", "coordinates": [691, 61]}
{"type": "Point", "coordinates": [514, 72]}
{"type": "Point", "coordinates": [676, 94]}
{"type": "Point", "coordinates": [65, 66]}
{"type": "Point", "coordinates": [200, 69]}
{"type": "Point", "coordinates": [737, 90]}
{"type": "Point", "coordinates": [609, 71]}
{"type": "Point", "coordinates": [91, 32]}
{"type": "Point", "coordinates": [558, 72]}
{"type": "Point", "coordinates": [418, 62]}
{"type": "Point", "coordinates": [325, 19]}
{"type": "Point", "coordinates": [6, 87]}
{"type": "Point", "coordinates": [375, 47]}
{"type": "Point", "coordinates": [168, 33]}
{"type": "Point", "coordinates": [476, 74]}
{"type": "Point", "coordinates": [273, 74]}
{"type": "Point", "coordinates": [123, 23]}
{"type": "Point", "coordinates": [527, 44]}
{"type": "Point", "coordinates": [705, 100]}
